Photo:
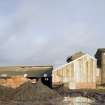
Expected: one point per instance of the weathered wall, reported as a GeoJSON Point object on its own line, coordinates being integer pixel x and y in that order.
{"type": "Point", "coordinates": [100, 56]}
{"type": "Point", "coordinates": [98, 76]}
{"type": "Point", "coordinates": [79, 74]}
{"type": "Point", "coordinates": [103, 68]}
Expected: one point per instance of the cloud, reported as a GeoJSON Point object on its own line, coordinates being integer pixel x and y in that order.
{"type": "Point", "coordinates": [46, 32]}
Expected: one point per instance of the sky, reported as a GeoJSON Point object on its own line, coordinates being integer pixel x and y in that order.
{"type": "Point", "coordinates": [46, 32]}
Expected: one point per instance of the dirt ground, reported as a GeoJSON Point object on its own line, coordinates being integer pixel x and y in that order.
{"type": "Point", "coordinates": [39, 94]}
{"type": "Point", "coordinates": [29, 94]}
{"type": "Point", "coordinates": [98, 96]}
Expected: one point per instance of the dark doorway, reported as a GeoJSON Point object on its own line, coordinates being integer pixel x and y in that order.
{"type": "Point", "coordinates": [47, 81]}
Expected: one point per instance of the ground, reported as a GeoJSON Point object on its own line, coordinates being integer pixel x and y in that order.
{"type": "Point", "coordinates": [39, 94]}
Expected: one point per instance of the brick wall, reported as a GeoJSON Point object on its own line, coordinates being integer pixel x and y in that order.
{"type": "Point", "coordinates": [85, 85]}
{"type": "Point", "coordinates": [13, 82]}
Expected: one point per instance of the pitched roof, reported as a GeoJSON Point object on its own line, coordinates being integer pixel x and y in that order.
{"type": "Point", "coordinates": [70, 62]}
{"type": "Point", "coordinates": [75, 56]}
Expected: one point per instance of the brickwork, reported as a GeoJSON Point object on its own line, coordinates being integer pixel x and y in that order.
{"type": "Point", "coordinates": [13, 82]}
{"type": "Point", "coordinates": [85, 85]}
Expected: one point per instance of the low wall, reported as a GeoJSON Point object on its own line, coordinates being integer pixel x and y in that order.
{"type": "Point", "coordinates": [85, 85]}
{"type": "Point", "coordinates": [13, 82]}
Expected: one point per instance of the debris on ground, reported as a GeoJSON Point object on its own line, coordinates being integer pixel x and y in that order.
{"type": "Point", "coordinates": [29, 94]}
{"type": "Point", "coordinates": [5, 92]}
{"type": "Point", "coordinates": [61, 90]}
{"type": "Point", "coordinates": [40, 94]}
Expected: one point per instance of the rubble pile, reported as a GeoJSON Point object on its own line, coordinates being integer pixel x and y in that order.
{"type": "Point", "coordinates": [32, 92]}
{"type": "Point", "coordinates": [29, 94]}
{"type": "Point", "coordinates": [5, 92]}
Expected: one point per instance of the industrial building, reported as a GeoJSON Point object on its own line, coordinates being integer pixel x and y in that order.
{"type": "Point", "coordinates": [100, 56]}
{"type": "Point", "coordinates": [14, 76]}
{"type": "Point", "coordinates": [81, 71]}
{"type": "Point", "coordinates": [78, 73]}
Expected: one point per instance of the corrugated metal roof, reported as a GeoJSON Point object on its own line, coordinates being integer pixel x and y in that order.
{"type": "Point", "coordinates": [30, 71]}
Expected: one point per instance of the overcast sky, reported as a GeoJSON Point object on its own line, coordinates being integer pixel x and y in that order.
{"type": "Point", "coordinates": [42, 32]}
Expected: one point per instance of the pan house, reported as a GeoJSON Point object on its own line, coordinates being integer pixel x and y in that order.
{"type": "Point", "coordinates": [14, 76]}
{"type": "Point", "coordinates": [78, 73]}
{"type": "Point", "coordinates": [81, 71]}
{"type": "Point", "coordinates": [100, 56]}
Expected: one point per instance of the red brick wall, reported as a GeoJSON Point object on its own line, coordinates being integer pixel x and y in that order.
{"type": "Point", "coordinates": [13, 82]}
{"type": "Point", "coordinates": [85, 85]}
